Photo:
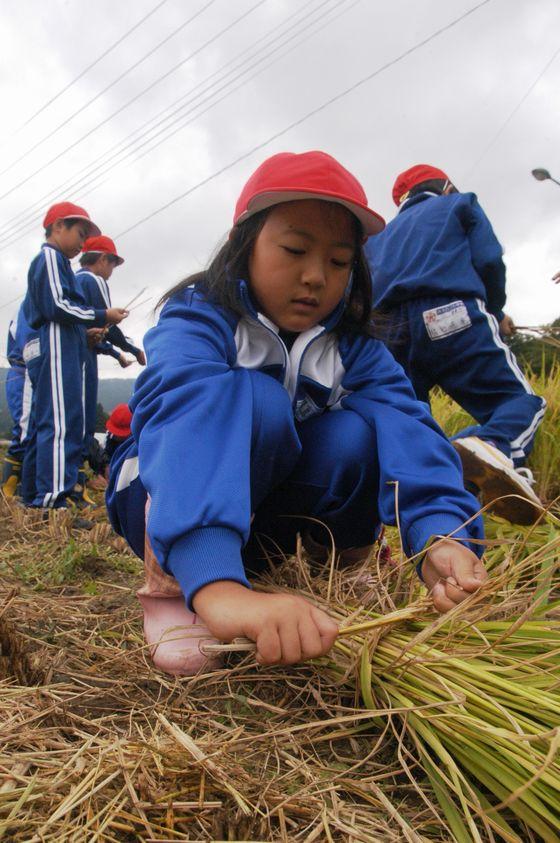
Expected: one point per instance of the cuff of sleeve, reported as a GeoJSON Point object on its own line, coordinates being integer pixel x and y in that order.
{"type": "Point", "coordinates": [500, 315]}
{"type": "Point", "coordinates": [204, 556]}
{"type": "Point", "coordinates": [114, 353]}
{"type": "Point", "coordinates": [100, 318]}
{"type": "Point", "coordinates": [421, 534]}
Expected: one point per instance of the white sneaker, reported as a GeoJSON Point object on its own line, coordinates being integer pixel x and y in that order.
{"type": "Point", "coordinates": [494, 474]}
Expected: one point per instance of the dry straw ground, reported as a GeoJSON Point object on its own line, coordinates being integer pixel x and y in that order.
{"type": "Point", "coordinates": [415, 729]}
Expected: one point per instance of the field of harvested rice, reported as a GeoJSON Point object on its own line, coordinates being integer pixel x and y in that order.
{"type": "Point", "coordinates": [416, 728]}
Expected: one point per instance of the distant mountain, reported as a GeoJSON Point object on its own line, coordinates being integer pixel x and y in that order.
{"type": "Point", "coordinates": [112, 391]}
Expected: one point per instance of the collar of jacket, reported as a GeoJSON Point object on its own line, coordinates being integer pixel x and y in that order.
{"type": "Point", "coordinates": [83, 270]}
{"type": "Point", "coordinates": [249, 306]}
{"type": "Point", "coordinates": [415, 200]}
{"type": "Point", "coordinates": [56, 249]}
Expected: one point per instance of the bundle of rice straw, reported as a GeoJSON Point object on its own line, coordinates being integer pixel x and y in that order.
{"type": "Point", "coordinates": [472, 697]}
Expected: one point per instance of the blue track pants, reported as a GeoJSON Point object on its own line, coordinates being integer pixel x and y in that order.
{"type": "Point", "coordinates": [54, 453]}
{"type": "Point", "coordinates": [474, 366]}
{"type": "Point", "coordinates": [91, 392]}
{"type": "Point", "coordinates": [324, 468]}
{"type": "Point", "coordinates": [19, 394]}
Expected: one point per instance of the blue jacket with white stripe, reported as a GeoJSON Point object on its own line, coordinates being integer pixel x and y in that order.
{"type": "Point", "coordinates": [19, 334]}
{"type": "Point", "coordinates": [438, 245]}
{"type": "Point", "coordinates": [192, 422]}
{"type": "Point", "coordinates": [95, 291]}
{"type": "Point", "coordinates": [53, 295]}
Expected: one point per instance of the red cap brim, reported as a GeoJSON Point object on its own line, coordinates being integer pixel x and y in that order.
{"type": "Point", "coordinates": [93, 229]}
{"type": "Point", "coordinates": [372, 223]}
{"type": "Point", "coordinates": [117, 431]}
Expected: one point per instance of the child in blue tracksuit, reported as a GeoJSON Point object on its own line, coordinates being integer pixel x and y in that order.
{"type": "Point", "coordinates": [99, 258]}
{"type": "Point", "coordinates": [266, 396]}
{"type": "Point", "coordinates": [54, 307]}
{"type": "Point", "coordinates": [18, 397]}
{"type": "Point", "coordinates": [439, 277]}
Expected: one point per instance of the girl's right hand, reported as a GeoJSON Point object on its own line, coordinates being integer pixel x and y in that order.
{"type": "Point", "coordinates": [286, 628]}
{"type": "Point", "coordinates": [114, 315]}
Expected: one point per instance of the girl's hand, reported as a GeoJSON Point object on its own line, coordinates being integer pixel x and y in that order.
{"type": "Point", "coordinates": [286, 628]}
{"type": "Point", "coordinates": [452, 572]}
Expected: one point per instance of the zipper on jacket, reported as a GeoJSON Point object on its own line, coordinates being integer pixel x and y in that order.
{"type": "Point", "coordinates": [290, 383]}
{"type": "Point", "coordinates": [287, 365]}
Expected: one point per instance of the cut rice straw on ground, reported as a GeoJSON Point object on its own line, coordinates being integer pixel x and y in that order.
{"type": "Point", "coordinates": [415, 728]}
{"type": "Point", "coordinates": [460, 740]}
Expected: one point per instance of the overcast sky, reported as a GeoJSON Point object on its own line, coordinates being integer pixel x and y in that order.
{"type": "Point", "coordinates": [240, 73]}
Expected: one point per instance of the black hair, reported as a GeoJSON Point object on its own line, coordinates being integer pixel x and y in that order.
{"type": "Point", "coordinates": [68, 223]}
{"type": "Point", "coordinates": [89, 258]}
{"type": "Point", "coordinates": [433, 186]}
{"type": "Point", "coordinates": [231, 262]}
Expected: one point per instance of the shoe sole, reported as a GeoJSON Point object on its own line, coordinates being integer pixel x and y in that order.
{"type": "Point", "coordinates": [494, 483]}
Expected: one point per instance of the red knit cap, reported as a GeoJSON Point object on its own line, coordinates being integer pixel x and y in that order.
{"type": "Point", "coordinates": [413, 176]}
{"type": "Point", "coordinates": [308, 175]}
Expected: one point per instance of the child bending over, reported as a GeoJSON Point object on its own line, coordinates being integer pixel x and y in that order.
{"type": "Point", "coordinates": [266, 395]}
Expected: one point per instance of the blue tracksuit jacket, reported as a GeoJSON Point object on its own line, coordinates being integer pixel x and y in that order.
{"type": "Point", "coordinates": [95, 292]}
{"type": "Point", "coordinates": [194, 429]}
{"type": "Point", "coordinates": [54, 306]}
{"type": "Point", "coordinates": [438, 245]}
{"type": "Point", "coordinates": [18, 384]}
{"type": "Point", "coordinates": [438, 275]}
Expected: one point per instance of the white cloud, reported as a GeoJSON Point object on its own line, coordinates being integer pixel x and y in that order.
{"type": "Point", "coordinates": [442, 104]}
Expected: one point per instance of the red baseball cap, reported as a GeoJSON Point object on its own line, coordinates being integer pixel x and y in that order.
{"type": "Point", "coordinates": [119, 421]}
{"type": "Point", "coordinates": [307, 175]}
{"type": "Point", "coordinates": [69, 211]}
{"type": "Point", "coordinates": [102, 245]}
{"type": "Point", "coordinates": [413, 176]}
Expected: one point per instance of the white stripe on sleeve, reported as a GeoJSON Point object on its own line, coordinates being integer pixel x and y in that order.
{"type": "Point", "coordinates": [104, 290]}
{"type": "Point", "coordinates": [56, 289]}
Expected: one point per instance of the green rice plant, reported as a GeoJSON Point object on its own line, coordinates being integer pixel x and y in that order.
{"type": "Point", "coordinates": [545, 458]}
{"type": "Point", "coordinates": [477, 694]}
{"type": "Point", "coordinates": [472, 698]}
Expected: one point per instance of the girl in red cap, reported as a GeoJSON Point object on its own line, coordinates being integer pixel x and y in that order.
{"type": "Point", "coordinates": [277, 401]}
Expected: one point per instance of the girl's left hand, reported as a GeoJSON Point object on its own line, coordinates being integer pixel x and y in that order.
{"type": "Point", "coordinates": [452, 572]}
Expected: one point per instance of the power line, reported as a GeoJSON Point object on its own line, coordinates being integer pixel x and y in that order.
{"type": "Point", "coordinates": [90, 66]}
{"type": "Point", "coordinates": [72, 183]}
{"type": "Point", "coordinates": [107, 88]}
{"type": "Point", "coordinates": [22, 220]}
{"type": "Point", "coordinates": [307, 116]}
{"type": "Point", "coordinates": [119, 111]}
{"type": "Point", "coordinates": [512, 114]}
{"type": "Point", "coordinates": [303, 119]}
{"type": "Point", "coordinates": [228, 93]}
{"type": "Point", "coordinates": [12, 301]}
